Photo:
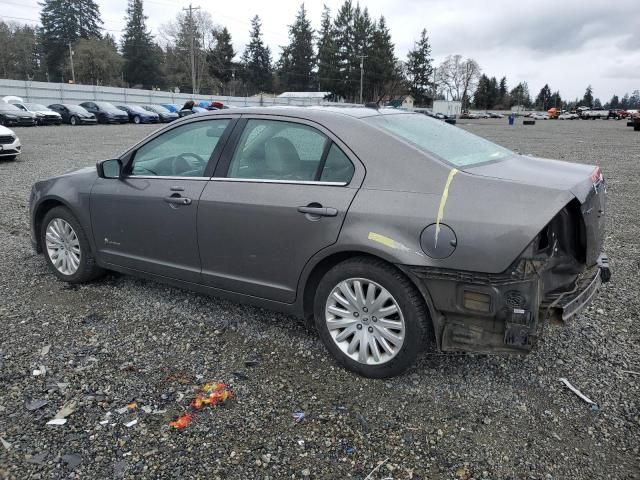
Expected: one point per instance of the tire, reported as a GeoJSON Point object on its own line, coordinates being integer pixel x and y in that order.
{"type": "Point", "coordinates": [73, 120]}
{"type": "Point", "coordinates": [417, 327]}
{"type": "Point", "coordinates": [87, 269]}
{"type": "Point", "coordinates": [636, 127]}
{"type": "Point", "coordinates": [136, 119]}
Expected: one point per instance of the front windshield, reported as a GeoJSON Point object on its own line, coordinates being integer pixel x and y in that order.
{"type": "Point", "coordinates": [76, 109]}
{"type": "Point", "coordinates": [451, 144]}
{"type": "Point", "coordinates": [138, 109]}
{"type": "Point", "coordinates": [36, 107]}
{"type": "Point", "coordinates": [158, 109]}
{"type": "Point", "coordinates": [7, 107]}
{"type": "Point", "coordinates": [107, 107]}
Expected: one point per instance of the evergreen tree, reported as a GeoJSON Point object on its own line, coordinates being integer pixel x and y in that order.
{"type": "Point", "coordinates": [220, 57]}
{"type": "Point", "coordinates": [555, 100]}
{"type": "Point", "coordinates": [542, 100]}
{"type": "Point", "coordinates": [63, 23]}
{"type": "Point", "coordinates": [141, 63]}
{"type": "Point", "coordinates": [327, 58]}
{"type": "Point", "coordinates": [520, 95]}
{"type": "Point", "coordinates": [420, 70]}
{"type": "Point", "coordinates": [298, 58]}
{"type": "Point", "coordinates": [97, 61]}
{"type": "Point", "coordinates": [345, 41]}
{"type": "Point", "coordinates": [614, 102]}
{"type": "Point", "coordinates": [625, 102]}
{"type": "Point", "coordinates": [19, 56]}
{"type": "Point", "coordinates": [597, 103]}
{"type": "Point", "coordinates": [503, 95]}
{"type": "Point", "coordinates": [256, 60]}
{"type": "Point", "coordinates": [363, 29]}
{"type": "Point", "coordinates": [634, 100]}
{"type": "Point", "coordinates": [381, 62]}
{"type": "Point", "coordinates": [587, 100]}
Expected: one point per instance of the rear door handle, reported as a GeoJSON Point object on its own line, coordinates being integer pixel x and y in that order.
{"type": "Point", "coordinates": [178, 200]}
{"type": "Point", "coordinates": [319, 211]}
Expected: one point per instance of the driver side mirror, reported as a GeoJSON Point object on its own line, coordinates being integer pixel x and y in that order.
{"type": "Point", "coordinates": [109, 168]}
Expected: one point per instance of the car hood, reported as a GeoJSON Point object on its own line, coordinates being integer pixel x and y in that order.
{"type": "Point", "coordinates": [6, 131]}
{"type": "Point", "coordinates": [47, 112]}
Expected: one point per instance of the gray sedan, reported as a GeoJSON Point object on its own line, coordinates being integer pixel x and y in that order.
{"type": "Point", "coordinates": [391, 232]}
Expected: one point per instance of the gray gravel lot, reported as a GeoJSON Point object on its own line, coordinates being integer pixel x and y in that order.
{"type": "Point", "coordinates": [122, 340]}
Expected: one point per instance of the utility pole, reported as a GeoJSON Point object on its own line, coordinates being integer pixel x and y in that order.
{"type": "Point", "coordinates": [362, 57]}
{"type": "Point", "coordinates": [73, 73]}
{"type": "Point", "coordinates": [193, 53]}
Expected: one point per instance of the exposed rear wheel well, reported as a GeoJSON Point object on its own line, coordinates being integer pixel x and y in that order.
{"type": "Point", "coordinates": [43, 208]}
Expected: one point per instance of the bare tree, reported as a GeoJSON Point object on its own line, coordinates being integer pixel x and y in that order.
{"type": "Point", "coordinates": [457, 77]}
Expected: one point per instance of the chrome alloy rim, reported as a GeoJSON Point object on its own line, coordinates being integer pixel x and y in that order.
{"type": "Point", "coordinates": [63, 246]}
{"type": "Point", "coordinates": [365, 321]}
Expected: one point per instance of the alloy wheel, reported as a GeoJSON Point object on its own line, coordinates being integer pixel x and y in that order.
{"type": "Point", "coordinates": [63, 246]}
{"type": "Point", "coordinates": [365, 321]}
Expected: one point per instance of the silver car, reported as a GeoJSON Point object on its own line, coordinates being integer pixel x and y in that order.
{"type": "Point", "coordinates": [391, 232]}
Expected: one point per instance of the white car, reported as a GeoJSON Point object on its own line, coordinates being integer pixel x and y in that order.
{"type": "Point", "coordinates": [10, 146]}
{"type": "Point", "coordinates": [568, 116]}
{"type": "Point", "coordinates": [540, 116]}
{"type": "Point", "coordinates": [44, 115]}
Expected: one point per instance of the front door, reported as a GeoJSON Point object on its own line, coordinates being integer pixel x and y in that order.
{"type": "Point", "coordinates": [146, 221]}
{"type": "Point", "coordinates": [276, 200]}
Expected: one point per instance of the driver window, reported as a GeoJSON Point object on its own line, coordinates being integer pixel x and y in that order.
{"type": "Point", "coordinates": [181, 152]}
{"type": "Point", "coordinates": [275, 150]}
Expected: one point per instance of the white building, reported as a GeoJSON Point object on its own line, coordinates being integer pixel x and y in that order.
{"type": "Point", "coordinates": [447, 107]}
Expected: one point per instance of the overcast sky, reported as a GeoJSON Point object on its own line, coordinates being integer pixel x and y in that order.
{"type": "Point", "coordinates": [566, 43]}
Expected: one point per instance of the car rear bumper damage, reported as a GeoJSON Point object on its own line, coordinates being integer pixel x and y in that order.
{"type": "Point", "coordinates": [500, 313]}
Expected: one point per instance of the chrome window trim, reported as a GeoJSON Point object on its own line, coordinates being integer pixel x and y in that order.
{"type": "Point", "coordinates": [165, 177]}
{"type": "Point", "coordinates": [288, 182]}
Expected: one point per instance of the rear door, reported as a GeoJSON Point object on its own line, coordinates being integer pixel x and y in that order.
{"type": "Point", "coordinates": [279, 195]}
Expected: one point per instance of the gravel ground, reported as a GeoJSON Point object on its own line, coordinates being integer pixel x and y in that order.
{"type": "Point", "coordinates": [123, 340]}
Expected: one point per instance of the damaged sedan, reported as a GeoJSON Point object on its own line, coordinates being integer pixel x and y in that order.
{"type": "Point", "coordinates": [390, 232]}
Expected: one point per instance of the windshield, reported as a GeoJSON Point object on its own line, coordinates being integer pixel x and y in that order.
{"type": "Point", "coordinates": [138, 109]}
{"type": "Point", "coordinates": [451, 144]}
{"type": "Point", "coordinates": [76, 109]}
{"type": "Point", "coordinates": [7, 107]}
{"type": "Point", "coordinates": [158, 109]}
{"type": "Point", "coordinates": [36, 107]}
{"type": "Point", "coordinates": [107, 107]}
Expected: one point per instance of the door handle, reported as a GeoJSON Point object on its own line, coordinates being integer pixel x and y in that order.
{"type": "Point", "coordinates": [178, 200]}
{"type": "Point", "coordinates": [319, 211]}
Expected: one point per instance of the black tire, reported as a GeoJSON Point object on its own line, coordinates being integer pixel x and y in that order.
{"type": "Point", "coordinates": [636, 127]}
{"type": "Point", "coordinates": [418, 326]}
{"type": "Point", "coordinates": [136, 119]}
{"type": "Point", "coordinates": [88, 269]}
{"type": "Point", "coordinates": [73, 120]}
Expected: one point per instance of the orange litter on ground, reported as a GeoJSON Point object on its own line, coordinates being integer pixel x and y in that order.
{"type": "Point", "coordinates": [210, 394]}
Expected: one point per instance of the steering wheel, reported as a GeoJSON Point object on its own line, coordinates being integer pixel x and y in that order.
{"type": "Point", "coordinates": [181, 160]}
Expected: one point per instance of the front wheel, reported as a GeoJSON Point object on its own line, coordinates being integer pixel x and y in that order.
{"type": "Point", "coordinates": [73, 120]}
{"type": "Point", "coordinates": [136, 119]}
{"type": "Point", "coordinates": [66, 247]}
{"type": "Point", "coordinates": [371, 317]}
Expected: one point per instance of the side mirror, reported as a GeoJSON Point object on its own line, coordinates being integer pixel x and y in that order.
{"type": "Point", "coordinates": [109, 168]}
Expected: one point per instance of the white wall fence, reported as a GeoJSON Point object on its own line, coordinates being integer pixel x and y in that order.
{"type": "Point", "coordinates": [47, 93]}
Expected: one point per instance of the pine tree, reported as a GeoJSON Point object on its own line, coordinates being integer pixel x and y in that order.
{"type": "Point", "coordinates": [327, 58]}
{"type": "Point", "coordinates": [220, 57]}
{"type": "Point", "coordinates": [256, 60]}
{"type": "Point", "coordinates": [520, 95]}
{"type": "Point", "coordinates": [298, 58]}
{"type": "Point", "coordinates": [587, 100]}
{"type": "Point", "coordinates": [381, 62]}
{"type": "Point", "coordinates": [141, 64]}
{"type": "Point", "coordinates": [63, 23]}
{"type": "Point", "coordinates": [614, 102]}
{"type": "Point", "coordinates": [420, 70]}
{"type": "Point", "coordinates": [542, 100]}
{"type": "Point", "coordinates": [503, 94]}
{"type": "Point", "coordinates": [343, 27]}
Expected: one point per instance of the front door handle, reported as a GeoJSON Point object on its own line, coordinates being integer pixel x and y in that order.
{"type": "Point", "coordinates": [319, 211]}
{"type": "Point", "coordinates": [178, 200]}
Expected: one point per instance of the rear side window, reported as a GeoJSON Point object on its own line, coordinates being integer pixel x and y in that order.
{"type": "Point", "coordinates": [337, 167]}
{"type": "Point", "coordinates": [275, 150]}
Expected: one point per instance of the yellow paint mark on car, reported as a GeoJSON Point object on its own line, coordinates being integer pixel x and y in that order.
{"type": "Point", "coordinates": [387, 242]}
{"type": "Point", "coordinates": [443, 202]}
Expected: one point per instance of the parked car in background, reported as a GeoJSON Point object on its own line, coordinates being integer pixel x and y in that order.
{"type": "Point", "coordinates": [468, 115]}
{"type": "Point", "coordinates": [44, 115]}
{"type": "Point", "coordinates": [172, 107]}
{"type": "Point", "coordinates": [74, 114]}
{"type": "Point", "coordinates": [568, 116]}
{"type": "Point", "coordinates": [381, 267]}
{"type": "Point", "coordinates": [10, 115]}
{"type": "Point", "coordinates": [496, 115]}
{"type": "Point", "coordinates": [165, 115]}
{"type": "Point", "coordinates": [106, 112]}
{"type": "Point", "coordinates": [594, 114]}
{"type": "Point", "coordinates": [540, 116]}
{"type": "Point", "coordinates": [618, 114]}
{"type": "Point", "coordinates": [10, 146]}
{"type": "Point", "coordinates": [137, 114]}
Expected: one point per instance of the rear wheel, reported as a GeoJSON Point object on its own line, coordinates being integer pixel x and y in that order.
{"type": "Point", "coordinates": [371, 317]}
{"type": "Point", "coordinates": [66, 247]}
{"type": "Point", "coordinates": [136, 119]}
{"type": "Point", "coordinates": [73, 120]}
